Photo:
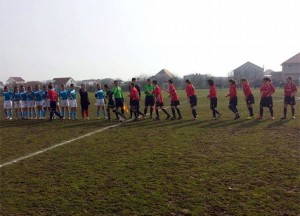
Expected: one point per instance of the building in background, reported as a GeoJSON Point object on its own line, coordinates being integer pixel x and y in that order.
{"type": "Point", "coordinates": [252, 72]}
{"type": "Point", "coordinates": [291, 67]}
{"type": "Point", "coordinates": [64, 80]}
{"type": "Point", "coordinates": [15, 80]}
{"type": "Point", "coordinates": [163, 76]}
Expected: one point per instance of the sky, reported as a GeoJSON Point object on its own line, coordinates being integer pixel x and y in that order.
{"type": "Point", "coordinates": [84, 39]}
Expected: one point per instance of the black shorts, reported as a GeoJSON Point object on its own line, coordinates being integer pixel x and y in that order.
{"type": "Point", "coordinates": [135, 103]}
{"type": "Point", "coordinates": [111, 104]}
{"type": "Point", "coordinates": [53, 105]}
{"type": "Point", "coordinates": [289, 100]}
{"type": "Point", "coordinates": [175, 103]}
{"type": "Point", "coordinates": [130, 102]}
{"type": "Point", "coordinates": [119, 102]}
{"type": "Point", "coordinates": [213, 102]}
{"type": "Point", "coordinates": [85, 105]}
{"type": "Point", "coordinates": [250, 99]}
{"type": "Point", "coordinates": [149, 101]}
{"type": "Point", "coordinates": [193, 100]}
{"type": "Point", "coordinates": [266, 102]}
{"type": "Point", "coordinates": [159, 104]}
{"type": "Point", "coordinates": [233, 102]}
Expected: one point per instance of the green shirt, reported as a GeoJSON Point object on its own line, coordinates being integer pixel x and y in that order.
{"type": "Point", "coordinates": [117, 92]}
{"type": "Point", "coordinates": [148, 89]}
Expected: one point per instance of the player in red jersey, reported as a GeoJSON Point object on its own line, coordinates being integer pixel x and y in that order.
{"type": "Point", "coordinates": [213, 99]}
{"type": "Point", "coordinates": [174, 100]}
{"type": "Point", "coordinates": [52, 96]}
{"type": "Point", "coordinates": [233, 99]}
{"type": "Point", "coordinates": [135, 101]}
{"type": "Point", "coordinates": [290, 90]}
{"type": "Point", "coordinates": [191, 97]}
{"type": "Point", "coordinates": [248, 96]}
{"type": "Point", "coordinates": [266, 91]}
{"type": "Point", "coordinates": [159, 101]}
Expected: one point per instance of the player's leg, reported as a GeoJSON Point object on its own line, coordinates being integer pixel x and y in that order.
{"type": "Point", "coordinates": [193, 103]}
{"type": "Point", "coordinates": [293, 111]}
{"type": "Point", "coordinates": [130, 111]}
{"type": "Point", "coordinates": [98, 112]}
{"type": "Point", "coordinates": [293, 103]}
{"type": "Point", "coordinates": [146, 105]}
{"type": "Point", "coordinates": [250, 109]}
{"type": "Point", "coordinates": [165, 111]}
{"type": "Point", "coordinates": [270, 102]}
{"type": "Point", "coordinates": [261, 108]}
{"type": "Point", "coordinates": [151, 101]}
{"type": "Point", "coordinates": [87, 111]}
{"type": "Point", "coordinates": [173, 111]}
{"type": "Point", "coordinates": [108, 113]}
{"type": "Point", "coordinates": [103, 110]}
{"type": "Point", "coordinates": [284, 110]}
{"type": "Point", "coordinates": [35, 110]}
{"type": "Point", "coordinates": [178, 112]}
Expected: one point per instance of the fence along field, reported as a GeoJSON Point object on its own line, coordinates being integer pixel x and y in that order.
{"type": "Point", "coordinates": [154, 168]}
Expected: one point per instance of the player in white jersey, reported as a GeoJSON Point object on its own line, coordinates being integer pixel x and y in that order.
{"type": "Point", "coordinates": [100, 102]}
{"type": "Point", "coordinates": [31, 103]}
{"type": "Point", "coordinates": [17, 102]}
{"type": "Point", "coordinates": [7, 103]}
{"type": "Point", "coordinates": [64, 101]}
{"type": "Point", "coordinates": [73, 102]}
{"type": "Point", "coordinates": [24, 100]}
{"type": "Point", "coordinates": [38, 100]}
{"type": "Point", "coordinates": [45, 101]}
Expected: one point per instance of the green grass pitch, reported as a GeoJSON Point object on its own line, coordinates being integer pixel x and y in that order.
{"type": "Point", "coordinates": [186, 167]}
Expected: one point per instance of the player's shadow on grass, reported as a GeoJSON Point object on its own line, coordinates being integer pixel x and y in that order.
{"type": "Point", "coordinates": [163, 123]}
{"type": "Point", "coordinates": [21, 123]}
{"type": "Point", "coordinates": [278, 122]}
{"type": "Point", "coordinates": [224, 123]}
{"type": "Point", "coordinates": [252, 123]}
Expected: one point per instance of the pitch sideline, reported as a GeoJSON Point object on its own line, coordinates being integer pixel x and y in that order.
{"type": "Point", "coordinates": [66, 142]}
{"type": "Point", "coordinates": [78, 138]}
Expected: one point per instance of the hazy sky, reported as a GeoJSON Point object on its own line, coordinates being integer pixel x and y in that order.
{"type": "Point", "coordinates": [43, 39]}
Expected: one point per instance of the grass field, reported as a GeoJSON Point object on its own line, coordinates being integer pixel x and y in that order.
{"type": "Point", "coordinates": [187, 167]}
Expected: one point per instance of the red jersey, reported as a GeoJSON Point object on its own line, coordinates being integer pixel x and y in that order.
{"type": "Point", "coordinates": [289, 89]}
{"type": "Point", "coordinates": [247, 89]}
{"type": "Point", "coordinates": [157, 93]}
{"type": "Point", "coordinates": [190, 90]}
{"type": "Point", "coordinates": [134, 94]}
{"type": "Point", "coordinates": [212, 92]}
{"type": "Point", "coordinates": [267, 89]}
{"type": "Point", "coordinates": [232, 91]}
{"type": "Point", "coordinates": [173, 93]}
{"type": "Point", "coordinates": [52, 95]}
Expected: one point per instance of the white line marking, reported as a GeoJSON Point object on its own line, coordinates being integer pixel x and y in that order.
{"type": "Point", "coordinates": [57, 145]}
{"type": "Point", "coordinates": [72, 140]}
{"type": "Point", "coordinates": [65, 142]}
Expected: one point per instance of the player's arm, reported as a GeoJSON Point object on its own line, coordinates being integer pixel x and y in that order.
{"type": "Point", "coordinates": [145, 89]}
{"type": "Point", "coordinates": [294, 92]}
{"type": "Point", "coordinates": [139, 90]}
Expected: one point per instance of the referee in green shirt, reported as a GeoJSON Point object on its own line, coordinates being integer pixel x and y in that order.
{"type": "Point", "coordinates": [149, 100]}
{"type": "Point", "coordinates": [118, 95]}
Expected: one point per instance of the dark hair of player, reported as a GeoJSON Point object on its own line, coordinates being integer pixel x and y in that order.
{"type": "Point", "coordinates": [232, 82]}
{"type": "Point", "coordinates": [210, 82]}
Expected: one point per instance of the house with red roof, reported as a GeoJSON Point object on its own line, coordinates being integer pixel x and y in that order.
{"type": "Point", "coordinates": [15, 80]}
